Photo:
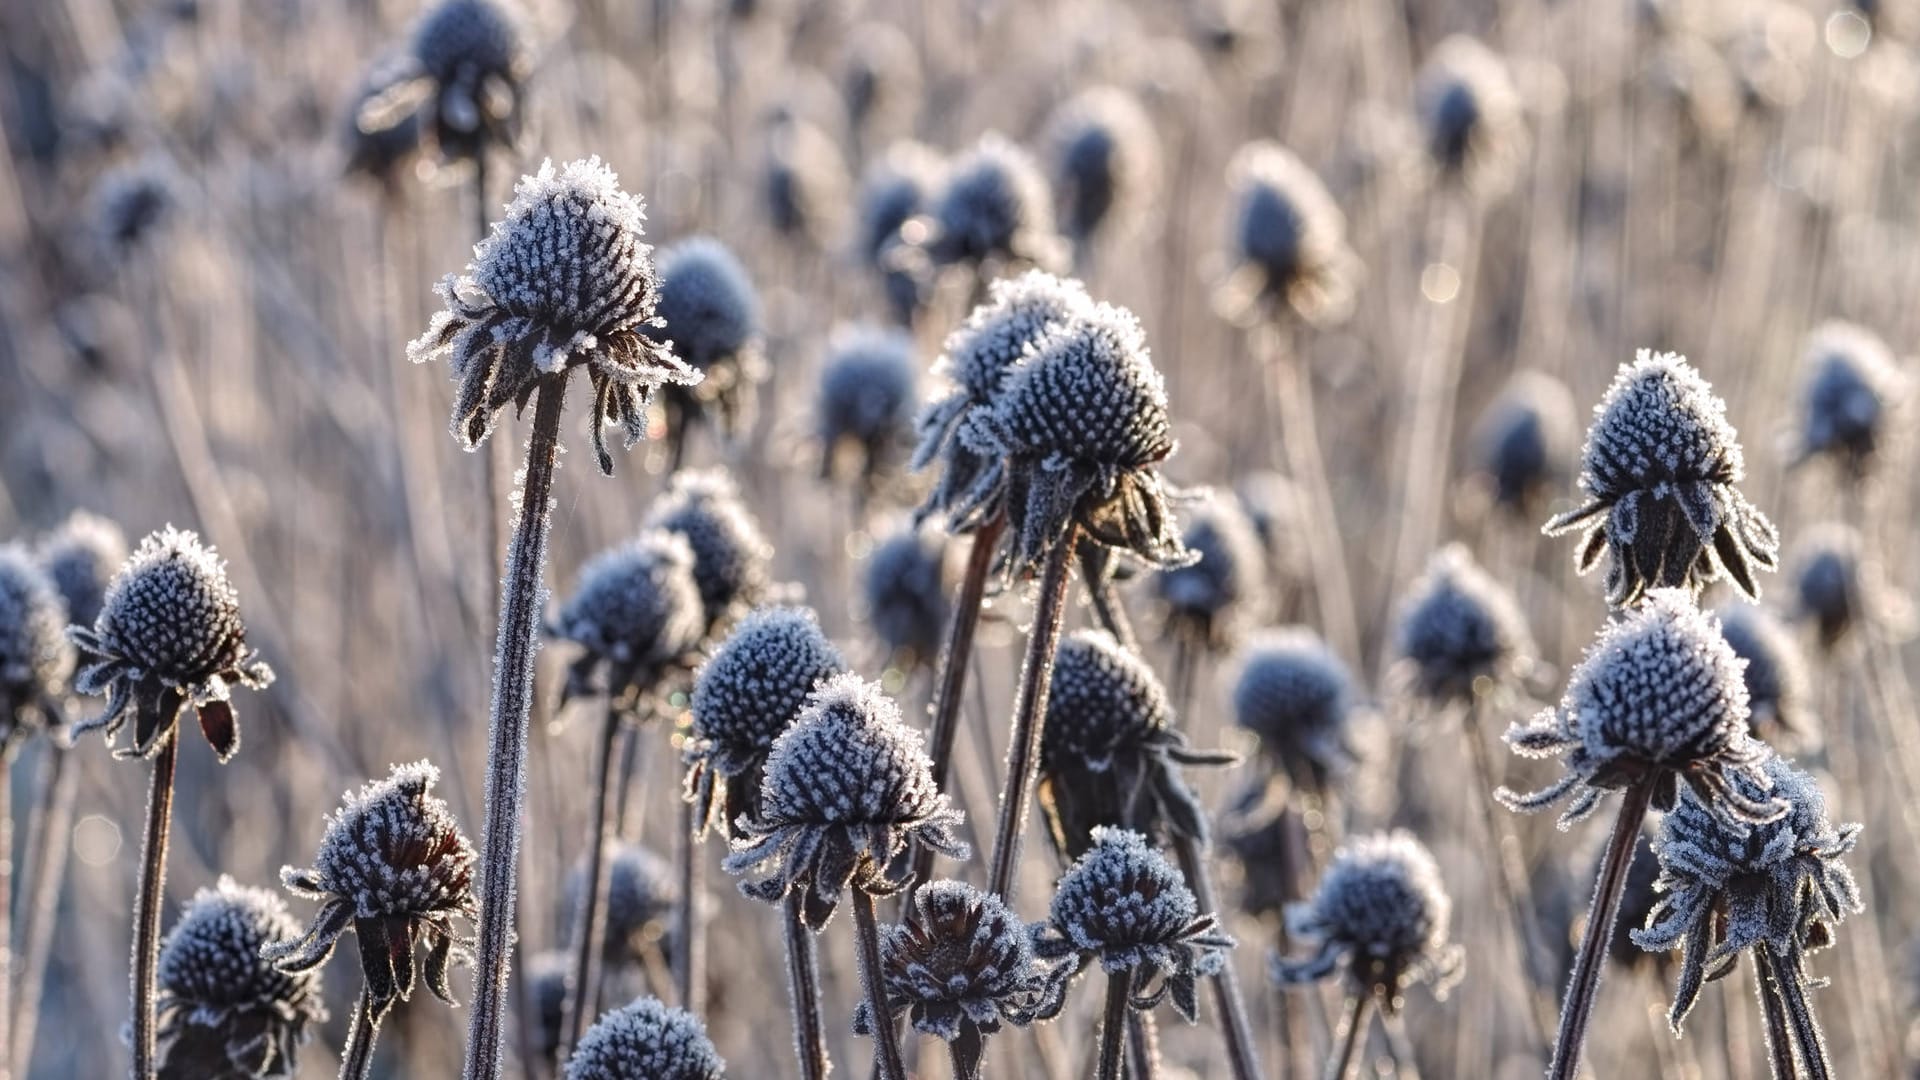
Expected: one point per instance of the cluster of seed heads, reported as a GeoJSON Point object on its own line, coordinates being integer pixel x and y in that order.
{"type": "Point", "coordinates": [1289, 238]}
{"type": "Point", "coordinates": [731, 556]}
{"type": "Point", "coordinates": [35, 658]}
{"type": "Point", "coordinates": [635, 613]}
{"type": "Point", "coordinates": [1298, 698]}
{"type": "Point", "coordinates": [646, 1040]}
{"type": "Point", "coordinates": [1461, 633]}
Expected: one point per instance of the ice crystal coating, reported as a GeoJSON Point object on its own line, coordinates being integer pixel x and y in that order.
{"type": "Point", "coordinates": [867, 398]}
{"type": "Point", "coordinates": [80, 557]}
{"type": "Point", "coordinates": [1209, 601]}
{"type": "Point", "coordinates": [1778, 695]}
{"type": "Point", "coordinates": [747, 694]}
{"type": "Point", "coordinates": [962, 964]}
{"type": "Point", "coordinates": [1730, 886]}
{"type": "Point", "coordinates": [1125, 906]}
{"type": "Point", "coordinates": [1461, 633]}
{"type": "Point", "coordinates": [730, 554]}
{"type": "Point", "coordinates": [395, 869]}
{"type": "Point", "coordinates": [1658, 699]}
{"type": "Point", "coordinates": [847, 789]}
{"type": "Point", "coordinates": [379, 136]}
{"type": "Point", "coordinates": [994, 338]}
{"type": "Point", "coordinates": [1381, 911]}
{"type": "Point", "coordinates": [564, 280]}
{"type": "Point", "coordinates": [1289, 238]}
{"type": "Point", "coordinates": [35, 657]}
{"type": "Point", "coordinates": [225, 1013]}
{"type": "Point", "coordinates": [1524, 441]}
{"type": "Point", "coordinates": [636, 614]}
{"type": "Point", "coordinates": [1471, 116]}
{"type": "Point", "coordinates": [1852, 381]}
{"type": "Point", "coordinates": [1298, 697]}
{"type": "Point", "coordinates": [1106, 158]}
{"type": "Point", "coordinates": [905, 596]}
{"type": "Point", "coordinates": [1074, 439]}
{"type": "Point", "coordinates": [1109, 754]}
{"type": "Point", "coordinates": [806, 179]}
{"type": "Point", "coordinates": [646, 1040]}
{"type": "Point", "coordinates": [995, 204]}
{"type": "Point", "coordinates": [168, 635]}
{"type": "Point", "coordinates": [1826, 582]}
{"type": "Point", "coordinates": [641, 890]}
{"type": "Point", "coordinates": [474, 56]}
{"type": "Point", "coordinates": [710, 318]}
{"type": "Point", "coordinates": [1659, 471]}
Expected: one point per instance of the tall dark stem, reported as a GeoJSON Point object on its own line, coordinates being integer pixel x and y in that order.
{"type": "Point", "coordinates": [952, 685]}
{"type": "Point", "coordinates": [1242, 1055]}
{"type": "Point", "coordinates": [1115, 1018]}
{"type": "Point", "coordinates": [513, 663]}
{"type": "Point", "coordinates": [591, 933]}
{"type": "Point", "coordinates": [356, 1061]}
{"type": "Point", "coordinates": [803, 984]}
{"type": "Point", "coordinates": [1766, 984]}
{"type": "Point", "coordinates": [1341, 1064]}
{"type": "Point", "coordinates": [886, 1041]}
{"type": "Point", "coordinates": [1791, 979]}
{"type": "Point", "coordinates": [1143, 1046]}
{"type": "Point", "coordinates": [153, 882]}
{"type": "Point", "coordinates": [1030, 710]}
{"type": "Point", "coordinates": [49, 836]}
{"type": "Point", "coordinates": [690, 967]}
{"type": "Point", "coordinates": [1577, 1010]}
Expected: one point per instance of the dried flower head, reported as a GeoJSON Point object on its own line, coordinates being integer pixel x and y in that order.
{"type": "Point", "coordinates": [396, 870]}
{"type": "Point", "coordinates": [565, 280]}
{"type": "Point", "coordinates": [225, 1013]}
{"type": "Point", "coordinates": [995, 205]}
{"type": "Point", "coordinates": [961, 965]}
{"type": "Point", "coordinates": [168, 635]}
{"type": "Point", "coordinates": [894, 188]}
{"type": "Point", "coordinates": [642, 888]}
{"type": "Point", "coordinates": [635, 613]}
{"type": "Point", "coordinates": [749, 692]}
{"type": "Point", "coordinates": [35, 657]}
{"type": "Point", "coordinates": [1381, 911]}
{"type": "Point", "coordinates": [806, 180]}
{"type": "Point", "coordinates": [867, 399]}
{"type": "Point", "coordinates": [730, 555]}
{"type": "Point", "coordinates": [1524, 441]}
{"type": "Point", "coordinates": [1852, 381]}
{"type": "Point", "coordinates": [1289, 240]}
{"type": "Point", "coordinates": [1109, 754]}
{"type": "Point", "coordinates": [1657, 699]}
{"type": "Point", "coordinates": [847, 789]}
{"type": "Point", "coordinates": [990, 342]}
{"type": "Point", "coordinates": [1208, 602]}
{"type": "Point", "coordinates": [1471, 116]}
{"type": "Point", "coordinates": [1659, 470]}
{"type": "Point", "coordinates": [1827, 582]}
{"type": "Point", "coordinates": [710, 318]}
{"type": "Point", "coordinates": [80, 558]}
{"type": "Point", "coordinates": [905, 594]}
{"type": "Point", "coordinates": [380, 138]}
{"type": "Point", "coordinates": [1461, 633]}
{"type": "Point", "coordinates": [1267, 837]}
{"type": "Point", "coordinates": [1778, 696]}
{"type": "Point", "coordinates": [1298, 697]}
{"type": "Point", "coordinates": [646, 1040]}
{"type": "Point", "coordinates": [1125, 906]}
{"type": "Point", "coordinates": [1729, 886]}
{"type": "Point", "coordinates": [1106, 159]}
{"type": "Point", "coordinates": [1075, 440]}
{"type": "Point", "coordinates": [475, 61]}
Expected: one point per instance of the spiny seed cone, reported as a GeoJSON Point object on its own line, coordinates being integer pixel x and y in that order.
{"type": "Point", "coordinates": [1209, 601]}
{"type": "Point", "coordinates": [641, 890]}
{"type": "Point", "coordinates": [1778, 693]}
{"type": "Point", "coordinates": [1289, 238]}
{"type": "Point", "coordinates": [475, 56]}
{"type": "Point", "coordinates": [1851, 384]}
{"type": "Point", "coordinates": [1461, 633]}
{"type": "Point", "coordinates": [710, 316]}
{"type": "Point", "coordinates": [1106, 159]}
{"type": "Point", "coordinates": [730, 554]}
{"type": "Point", "coordinates": [1828, 590]}
{"type": "Point", "coordinates": [905, 594]}
{"type": "Point", "coordinates": [646, 1040]}
{"type": "Point", "coordinates": [1298, 698]}
{"type": "Point", "coordinates": [866, 401]}
{"type": "Point", "coordinates": [80, 558]}
{"type": "Point", "coordinates": [995, 204]}
{"type": "Point", "coordinates": [1471, 117]}
{"type": "Point", "coordinates": [35, 658]}
{"type": "Point", "coordinates": [636, 612]}
{"type": "Point", "coordinates": [379, 135]}
{"type": "Point", "coordinates": [894, 189]}
{"type": "Point", "coordinates": [1524, 443]}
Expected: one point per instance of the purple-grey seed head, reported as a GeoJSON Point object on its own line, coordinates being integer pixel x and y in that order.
{"type": "Point", "coordinates": [1211, 599]}
{"type": "Point", "coordinates": [36, 659]}
{"type": "Point", "coordinates": [1106, 158]}
{"type": "Point", "coordinates": [1298, 698]}
{"type": "Point", "coordinates": [1460, 631]}
{"type": "Point", "coordinates": [646, 1040]}
{"type": "Point", "coordinates": [80, 558]}
{"type": "Point", "coordinates": [1470, 115]}
{"type": "Point", "coordinates": [731, 556]}
{"type": "Point", "coordinates": [476, 56]}
{"type": "Point", "coordinates": [867, 399]}
{"type": "Point", "coordinates": [1851, 383]}
{"type": "Point", "coordinates": [1827, 581]}
{"type": "Point", "coordinates": [995, 203]}
{"type": "Point", "coordinates": [1382, 912]}
{"type": "Point", "coordinates": [1776, 676]}
{"type": "Point", "coordinates": [1524, 442]}
{"type": "Point", "coordinates": [635, 610]}
{"type": "Point", "coordinates": [905, 594]}
{"type": "Point", "coordinates": [1289, 235]}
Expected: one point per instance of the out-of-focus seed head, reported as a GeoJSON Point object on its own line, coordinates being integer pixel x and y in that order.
{"type": "Point", "coordinates": [223, 1011]}
{"type": "Point", "coordinates": [1267, 837]}
{"type": "Point", "coordinates": [710, 318]}
{"type": "Point", "coordinates": [636, 614]}
{"type": "Point", "coordinates": [35, 657]}
{"type": "Point", "coordinates": [806, 181]}
{"type": "Point", "coordinates": [869, 393]}
{"type": "Point", "coordinates": [1659, 698]}
{"type": "Point", "coordinates": [1106, 159]}
{"type": "Point", "coordinates": [131, 203]}
{"type": "Point", "coordinates": [847, 788]}
{"type": "Point", "coordinates": [1298, 698]}
{"type": "Point", "coordinates": [1276, 509]}
{"type": "Point", "coordinates": [566, 279]}
{"type": "Point", "coordinates": [80, 558]}
{"type": "Point", "coordinates": [380, 134]}
{"type": "Point", "coordinates": [1659, 469]}
{"type": "Point", "coordinates": [905, 594]}
{"type": "Point", "coordinates": [880, 79]}
{"type": "Point", "coordinates": [1209, 601]}
{"type": "Point", "coordinates": [642, 888]}
{"type": "Point", "coordinates": [168, 635]}
{"type": "Point", "coordinates": [1728, 886]}
{"type": "Point", "coordinates": [1289, 239]}
{"type": "Point", "coordinates": [1471, 116]}
{"type": "Point", "coordinates": [731, 557]}
{"type": "Point", "coordinates": [1125, 906]}
{"type": "Point", "coordinates": [751, 690]}
{"type": "Point", "coordinates": [1524, 441]}
{"type": "Point", "coordinates": [893, 189]}
{"type": "Point", "coordinates": [1461, 633]}
{"type": "Point", "coordinates": [646, 1040]}
{"type": "Point", "coordinates": [1827, 582]}
{"type": "Point", "coordinates": [474, 52]}
{"type": "Point", "coordinates": [396, 869]}
{"type": "Point", "coordinates": [1382, 912]}
{"type": "Point", "coordinates": [1780, 712]}
{"type": "Point", "coordinates": [1852, 382]}
{"type": "Point", "coordinates": [546, 977]}
{"type": "Point", "coordinates": [995, 204]}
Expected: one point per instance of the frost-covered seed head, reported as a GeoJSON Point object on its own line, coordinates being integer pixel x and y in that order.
{"type": "Point", "coordinates": [1471, 116]}
{"type": "Point", "coordinates": [1461, 632]}
{"type": "Point", "coordinates": [1659, 470]}
{"type": "Point", "coordinates": [1103, 699]}
{"type": "Point", "coordinates": [475, 55]}
{"type": "Point", "coordinates": [897, 186]}
{"type": "Point", "coordinates": [80, 558]}
{"type": "Point", "coordinates": [1852, 381]}
{"type": "Point", "coordinates": [641, 890]}
{"type": "Point", "coordinates": [35, 657]}
{"type": "Point", "coordinates": [566, 279]}
{"type": "Point", "coordinates": [377, 145]}
{"type": "Point", "coordinates": [1658, 698]}
{"type": "Point", "coordinates": [1289, 237]}
{"type": "Point", "coordinates": [730, 554]}
{"type": "Point", "coordinates": [1827, 582]}
{"type": "Point", "coordinates": [995, 204]}
{"type": "Point", "coordinates": [646, 1040]}
{"type": "Point", "coordinates": [806, 179]}
{"type": "Point", "coordinates": [636, 612]}
{"type": "Point", "coordinates": [1524, 441]}
{"type": "Point", "coordinates": [131, 203]}
{"type": "Point", "coordinates": [1209, 601]}
{"type": "Point", "coordinates": [869, 393]}
{"type": "Point", "coordinates": [708, 310]}
{"type": "Point", "coordinates": [905, 595]}
{"type": "Point", "coordinates": [1298, 697]}
{"type": "Point", "coordinates": [1382, 912]}
{"type": "Point", "coordinates": [1106, 158]}
{"type": "Point", "coordinates": [223, 1010]}
{"type": "Point", "coordinates": [1778, 696]}
{"type": "Point", "coordinates": [168, 635]}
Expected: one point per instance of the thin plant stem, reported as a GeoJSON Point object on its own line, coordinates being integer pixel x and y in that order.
{"type": "Point", "coordinates": [590, 935]}
{"type": "Point", "coordinates": [803, 986]}
{"type": "Point", "coordinates": [952, 684]}
{"type": "Point", "coordinates": [630, 818]}
{"type": "Point", "coordinates": [1341, 1065]}
{"type": "Point", "coordinates": [1511, 889]}
{"type": "Point", "coordinates": [6, 904]}
{"type": "Point", "coordinates": [886, 1041]}
{"type": "Point", "coordinates": [690, 967]}
{"type": "Point", "coordinates": [1143, 1045]}
{"type": "Point", "coordinates": [50, 834]}
{"type": "Point", "coordinates": [518, 641]}
{"type": "Point", "coordinates": [1766, 986]}
{"type": "Point", "coordinates": [1030, 710]}
{"type": "Point", "coordinates": [1115, 1018]}
{"type": "Point", "coordinates": [356, 1061]}
{"type": "Point", "coordinates": [153, 883]}
{"type": "Point", "coordinates": [1588, 964]}
{"type": "Point", "coordinates": [1242, 1054]}
{"type": "Point", "coordinates": [1791, 980]}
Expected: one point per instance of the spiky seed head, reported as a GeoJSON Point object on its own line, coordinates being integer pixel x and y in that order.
{"type": "Point", "coordinates": [731, 556]}
{"type": "Point", "coordinates": [894, 187]}
{"type": "Point", "coordinates": [80, 558]}
{"type": "Point", "coordinates": [1524, 441]}
{"type": "Point", "coordinates": [646, 1040]}
{"type": "Point", "coordinates": [1461, 632]}
{"type": "Point", "coordinates": [868, 395]}
{"type": "Point", "coordinates": [378, 134]}
{"type": "Point", "coordinates": [995, 204]}
{"type": "Point", "coordinates": [1106, 158]}
{"type": "Point", "coordinates": [1209, 600]}
{"type": "Point", "coordinates": [1851, 383]}
{"type": "Point", "coordinates": [394, 848]}
{"type": "Point", "coordinates": [1776, 675]}
{"type": "Point", "coordinates": [1381, 911]}
{"type": "Point", "coordinates": [1103, 697]}
{"type": "Point", "coordinates": [1289, 238]}
{"type": "Point", "coordinates": [131, 203]}
{"type": "Point", "coordinates": [1296, 695]}
{"type": "Point", "coordinates": [1471, 116]}
{"type": "Point", "coordinates": [641, 890]}
{"type": "Point", "coordinates": [635, 611]}
{"type": "Point", "coordinates": [806, 179]}
{"type": "Point", "coordinates": [475, 54]}
{"type": "Point", "coordinates": [708, 308]}
{"type": "Point", "coordinates": [905, 593]}
{"type": "Point", "coordinates": [35, 657]}
{"type": "Point", "coordinates": [1827, 581]}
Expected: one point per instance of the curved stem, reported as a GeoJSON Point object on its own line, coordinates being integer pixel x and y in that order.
{"type": "Point", "coordinates": [153, 881]}
{"type": "Point", "coordinates": [1242, 1055]}
{"type": "Point", "coordinates": [1029, 714]}
{"type": "Point", "coordinates": [690, 966]}
{"type": "Point", "coordinates": [1114, 1019]}
{"type": "Point", "coordinates": [356, 1061]}
{"type": "Point", "coordinates": [519, 640]}
{"type": "Point", "coordinates": [1766, 985]}
{"type": "Point", "coordinates": [1342, 1063]}
{"type": "Point", "coordinates": [1791, 979]}
{"type": "Point", "coordinates": [1577, 1010]}
{"type": "Point", "coordinates": [590, 935]}
{"type": "Point", "coordinates": [803, 986]}
{"type": "Point", "coordinates": [886, 1041]}
{"type": "Point", "coordinates": [49, 834]}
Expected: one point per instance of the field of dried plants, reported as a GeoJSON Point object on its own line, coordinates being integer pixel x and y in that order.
{"type": "Point", "coordinates": [1089, 538]}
